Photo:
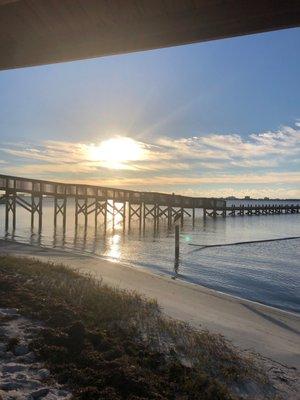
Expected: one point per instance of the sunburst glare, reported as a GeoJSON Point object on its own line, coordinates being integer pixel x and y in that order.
{"type": "Point", "coordinates": [116, 153]}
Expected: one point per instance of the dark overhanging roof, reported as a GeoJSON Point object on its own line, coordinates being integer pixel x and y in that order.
{"type": "Point", "coordinates": [34, 32]}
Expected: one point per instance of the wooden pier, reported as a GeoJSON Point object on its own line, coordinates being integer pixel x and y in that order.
{"type": "Point", "coordinates": [253, 209]}
{"type": "Point", "coordinates": [97, 202]}
{"type": "Point", "coordinates": [125, 205]}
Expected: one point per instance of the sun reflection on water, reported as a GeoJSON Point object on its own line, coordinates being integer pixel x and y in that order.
{"type": "Point", "coordinates": [114, 250]}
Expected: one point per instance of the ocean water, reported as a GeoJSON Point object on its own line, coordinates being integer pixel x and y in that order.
{"type": "Point", "coordinates": [265, 272]}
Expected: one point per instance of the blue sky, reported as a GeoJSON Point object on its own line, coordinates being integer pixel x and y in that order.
{"type": "Point", "coordinates": [215, 118]}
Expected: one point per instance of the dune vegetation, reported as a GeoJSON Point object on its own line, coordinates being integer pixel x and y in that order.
{"type": "Point", "coordinates": [107, 343]}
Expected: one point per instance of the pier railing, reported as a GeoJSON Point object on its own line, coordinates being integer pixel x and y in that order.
{"type": "Point", "coordinates": [49, 188]}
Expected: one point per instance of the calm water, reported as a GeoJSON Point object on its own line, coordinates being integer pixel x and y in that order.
{"type": "Point", "coordinates": [264, 272]}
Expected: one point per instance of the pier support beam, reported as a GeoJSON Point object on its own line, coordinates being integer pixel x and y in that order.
{"type": "Point", "coordinates": [60, 208]}
{"type": "Point", "coordinates": [119, 208]}
{"type": "Point", "coordinates": [181, 218]}
{"type": "Point", "coordinates": [162, 212]}
{"type": "Point", "coordinates": [81, 207]}
{"type": "Point", "coordinates": [134, 210]}
{"type": "Point", "coordinates": [100, 209]}
{"type": "Point", "coordinates": [149, 210]}
{"type": "Point", "coordinates": [37, 208]}
{"type": "Point", "coordinates": [10, 208]}
{"type": "Point", "coordinates": [40, 212]}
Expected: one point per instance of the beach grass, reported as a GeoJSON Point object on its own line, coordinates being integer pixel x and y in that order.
{"type": "Point", "coordinates": [108, 343]}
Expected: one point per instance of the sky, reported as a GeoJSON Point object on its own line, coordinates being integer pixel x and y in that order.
{"type": "Point", "coordinates": [219, 118]}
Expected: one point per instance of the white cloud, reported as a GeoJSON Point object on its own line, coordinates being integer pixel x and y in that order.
{"type": "Point", "coordinates": [254, 163]}
{"type": "Point", "coordinates": [199, 160]}
{"type": "Point", "coordinates": [285, 141]}
{"type": "Point", "coordinates": [259, 150]}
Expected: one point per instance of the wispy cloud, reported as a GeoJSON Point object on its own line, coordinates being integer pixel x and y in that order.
{"type": "Point", "coordinates": [213, 159]}
{"type": "Point", "coordinates": [47, 151]}
{"type": "Point", "coordinates": [233, 148]}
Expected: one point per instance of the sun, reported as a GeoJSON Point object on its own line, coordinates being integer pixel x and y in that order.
{"type": "Point", "coordinates": [116, 153]}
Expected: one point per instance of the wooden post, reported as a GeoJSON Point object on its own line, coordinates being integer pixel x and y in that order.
{"type": "Point", "coordinates": [169, 217]}
{"type": "Point", "coordinates": [177, 222]}
{"type": "Point", "coordinates": [193, 216]}
{"type": "Point", "coordinates": [154, 217]}
{"type": "Point", "coordinates": [105, 216]}
{"type": "Point", "coordinates": [55, 208]}
{"type": "Point", "coordinates": [40, 211]}
{"type": "Point", "coordinates": [144, 218]}
{"type": "Point", "coordinates": [123, 208]}
{"type": "Point", "coordinates": [157, 216]}
{"type": "Point", "coordinates": [7, 211]}
{"type": "Point", "coordinates": [85, 213]}
{"type": "Point", "coordinates": [214, 209]}
{"type": "Point", "coordinates": [96, 213]}
{"type": "Point", "coordinates": [32, 210]}
{"type": "Point", "coordinates": [76, 213]}
{"type": "Point", "coordinates": [140, 217]}
{"type": "Point", "coordinates": [13, 207]}
{"type": "Point", "coordinates": [129, 216]}
{"type": "Point", "coordinates": [176, 259]}
{"type": "Point", "coordinates": [64, 214]}
{"type": "Point", "coordinates": [113, 215]}
{"type": "Point", "coordinates": [224, 212]}
{"type": "Point", "coordinates": [55, 212]}
{"type": "Point", "coordinates": [177, 229]}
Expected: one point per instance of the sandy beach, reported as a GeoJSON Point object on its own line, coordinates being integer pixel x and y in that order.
{"type": "Point", "coordinates": [273, 333]}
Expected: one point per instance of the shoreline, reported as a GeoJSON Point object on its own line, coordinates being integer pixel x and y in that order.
{"type": "Point", "coordinates": [148, 271]}
{"type": "Point", "coordinates": [253, 326]}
